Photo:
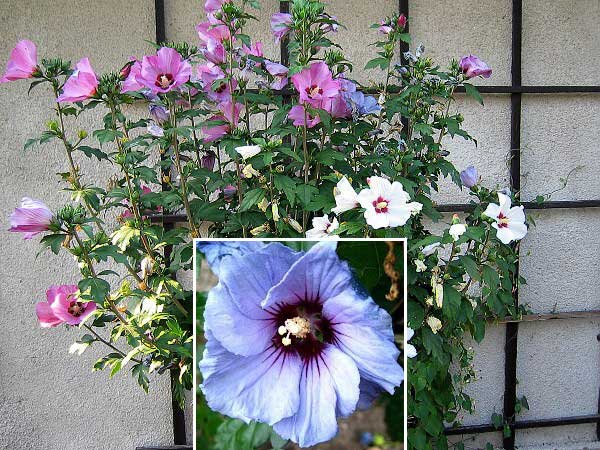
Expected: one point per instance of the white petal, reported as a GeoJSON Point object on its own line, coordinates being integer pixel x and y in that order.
{"type": "Point", "coordinates": [398, 214]}
{"type": "Point", "coordinates": [377, 220]}
{"type": "Point", "coordinates": [492, 211]}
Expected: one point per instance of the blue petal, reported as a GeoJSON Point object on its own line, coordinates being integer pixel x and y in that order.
{"type": "Point", "coordinates": [369, 392]}
{"type": "Point", "coordinates": [326, 388]}
{"type": "Point", "coordinates": [217, 251]}
{"type": "Point", "coordinates": [318, 274]}
{"type": "Point", "coordinates": [261, 387]}
{"type": "Point", "coordinates": [364, 332]}
{"type": "Point", "coordinates": [248, 278]}
{"type": "Point", "coordinates": [244, 333]}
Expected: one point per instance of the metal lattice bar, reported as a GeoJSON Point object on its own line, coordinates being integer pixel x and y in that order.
{"type": "Point", "coordinates": [525, 424]}
{"type": "Point", "coordinates": [179, 425]}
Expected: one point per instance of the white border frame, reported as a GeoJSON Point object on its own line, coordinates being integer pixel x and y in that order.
{"type": "Point", "coordinates": [195, 356]}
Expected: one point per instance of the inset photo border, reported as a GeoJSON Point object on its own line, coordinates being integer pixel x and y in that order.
{"type": "Point", "coordinates": [304, 335]}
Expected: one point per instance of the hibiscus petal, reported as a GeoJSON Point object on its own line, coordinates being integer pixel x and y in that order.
{"type": "Point", "coordinates": [46, 316]}
{"type": "Point", "coordinates": [318, 274]}
{"type": "Point", "coordinates": [250, 387]}
{"type": "Point", "coordinates": [364, 332]}
{"type": "Point", "coordinates": [329, 385]}
{"type": "Point", "coordinates": [516, 213]}
{"type": "Point", "coordinates": [249, 277]}
{"type": "Point", "coordinates": [237, 332]}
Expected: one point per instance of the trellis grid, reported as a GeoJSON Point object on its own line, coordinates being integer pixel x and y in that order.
{"type": "Point", "coordinates": [515, 90]}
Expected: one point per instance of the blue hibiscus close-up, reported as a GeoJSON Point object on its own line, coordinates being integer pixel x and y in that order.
{"type": "Point", "coordinates": [292, 341]}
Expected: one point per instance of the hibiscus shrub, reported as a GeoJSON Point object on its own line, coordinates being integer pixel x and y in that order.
{"type": "Point", "coordinates": [287, 338]}
{"type": "Point", "coordinates": [242, 146]}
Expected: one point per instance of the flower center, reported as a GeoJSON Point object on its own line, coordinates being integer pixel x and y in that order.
{"type": "Point", "coordinates": [76, 309]}
{"type": "Point", "coordinates": [502, 221]}
{"type": "Point", "coordinates": [313, 90]}
{"type": "Point", "coordinates": [381, 205]}
{"type": "Point", "coordinates": [302, 329]}
{"type": "Point", "coordinates": [298, 327]}
{"type": "Point", "coordinates": [328, 228]}
{"type": "Point", "coordinates": [220, 88]}
{"type": "Point", "coordinates": [164, 80]}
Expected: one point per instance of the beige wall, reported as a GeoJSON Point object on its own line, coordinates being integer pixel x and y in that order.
{"type": "Point", "coordinates": [46, 394]}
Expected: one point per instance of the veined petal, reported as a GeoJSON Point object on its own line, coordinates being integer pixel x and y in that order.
{"type": "Point", "coordinates": [318, 274]}
{"type": "Point", "coordinates": [249, 277]}
{"type": "Point", "coordinates": [325, 386]}
{"type": "Point", "coordinates": [398, 213]}
{"type": "Point", "coordinates": [236, 331]}
{"type": "Point", "coordinates": [503, 234]}
{"type": "Point", "coordinates": [260, 387]}
{"type": "Point", "coordinates": [364, 332]}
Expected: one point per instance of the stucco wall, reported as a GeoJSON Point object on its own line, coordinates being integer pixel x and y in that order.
{"type": "Point", "coordinates": [46, 395]}
{"type": "Point", "coordinates": [48, 398]}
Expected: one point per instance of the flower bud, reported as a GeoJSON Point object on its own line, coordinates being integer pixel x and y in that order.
{"type": "Point", "coordinates": [52, 125]}
{"type": "Point", "coordinates": [402, 21]}
{"type": "Point", "coordinates": [260, 229]}
{"type": "Point", "coordinates": [147, 266]}
{"type": "Point", "coordinates": [228, 192]}
{"type": "Point", "coordinates": [434, 323]}
{"type": "Point", "coordinates": [280, 168]}
{"type": "Point", "coordinates": [124, 72]}
{"type": "Point", "coordinates": [208, 160]}
{"type": "Point", "coordinates": [159, 113]}
{"type": "Point", "coordinates": [263, 205]}
{"type": "Point", "coordinates": [469, 177]}
{"type": "Point", "coordinates": [275, 211]}
{"type": "Point", "coordinates": [294, 224]}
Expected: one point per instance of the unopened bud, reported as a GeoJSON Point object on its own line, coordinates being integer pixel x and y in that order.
{"type": "Point", "coordinates": [294, 224]}
{"type": "Point", "coordinates": [147, 266]}
{"type": "Point", "coordinates": [263, 204]}
{"type": "Point", "coordinates": [260, 229]}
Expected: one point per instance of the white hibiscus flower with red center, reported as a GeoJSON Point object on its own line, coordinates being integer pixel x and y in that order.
{"type": "Point", "coordinates": [386, 204]}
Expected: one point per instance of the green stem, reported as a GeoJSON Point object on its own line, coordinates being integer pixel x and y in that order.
{"type": "Point", "coordinates": [107, 343]}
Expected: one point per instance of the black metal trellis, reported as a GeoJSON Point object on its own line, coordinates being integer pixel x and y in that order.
{"type": "Point", "coordinates": [515, 90]}
{"type": "Point", "coordinates": [179, 425]}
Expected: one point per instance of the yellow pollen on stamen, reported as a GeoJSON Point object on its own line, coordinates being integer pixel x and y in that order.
{"type": "Point", "coordinates": [299, 327]}
{"type": "Point", "coordinates": [164, 81]}
{"type": "Point", "coordinates": [381, 205]}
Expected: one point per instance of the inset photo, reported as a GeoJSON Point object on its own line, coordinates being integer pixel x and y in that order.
{"type": "Point", "coordinates": [299, 344]}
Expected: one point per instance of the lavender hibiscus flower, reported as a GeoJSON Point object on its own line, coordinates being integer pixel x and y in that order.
{"type": "Point", "coordinates": [292, 341]}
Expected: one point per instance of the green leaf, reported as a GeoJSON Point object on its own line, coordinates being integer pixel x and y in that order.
{"type": "Point", "coordinates": [105, 136]}
{"type": "Point", "coordinates": [140, 373]}
{"type": "Point", "coordinates": [233, 434]}
{"type": "Point", "coordinates": [473, 92]}
{"type": "Point", "coordinates": [470, 266]}
{"type": "Point", "coordinates": [90, 151]}
{"type": "Point", "coordinates": [287, 186]}
{"type": "Point", "coordinates": [94, 288]}
{"type": "Point", "coordinates": [251, 199]}
{"type": "Point", "coordinates": [123, 236]}
{"type": "Point", "coordinates": [305, 193]}
{"type": "Point", "coordinates": [53, 242]}
{"type": "Point", "coordinates": [82, 344]}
